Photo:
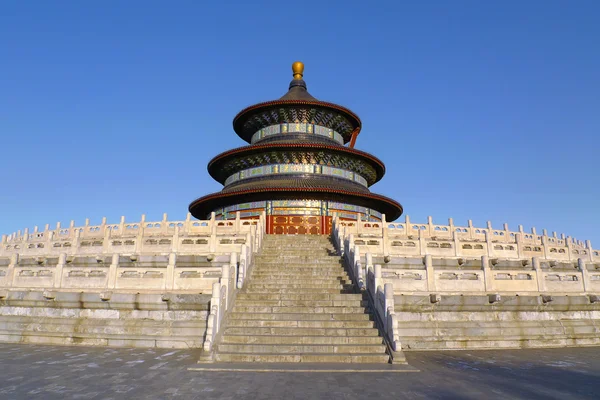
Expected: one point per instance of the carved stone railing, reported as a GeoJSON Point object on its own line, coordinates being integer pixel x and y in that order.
{"type": "Point", "coordinates": [465, 264]}
{"type": "Point", "coordinates": [179, 256]}
{"type": "Point", "coordinates": [182, 237]}
{"type": "Point", "coordinates": [382, 300]}
{"type": "Point", "coordinates": [412, 239]}
{"type": "Point", "coordinates": [223, 297]}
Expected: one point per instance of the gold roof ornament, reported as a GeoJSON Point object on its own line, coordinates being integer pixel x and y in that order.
{"type": "Point", "coordinates": [298, 69]}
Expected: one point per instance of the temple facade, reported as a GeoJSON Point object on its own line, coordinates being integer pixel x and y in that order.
{"type": "Point", "coordinates": [355, 288]}
{"type": "Point", "coordinates": [300, 167]}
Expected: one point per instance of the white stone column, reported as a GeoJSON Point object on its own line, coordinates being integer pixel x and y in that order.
{"type": "Point", "coordinates": [213, 233]}
{"type": "Point", "coordinates": [58, 272]}
{"type": "Point", "coordinates": [10, 271]}
{"type": "Point", "coordinates": [519, 243]}
{"type": "Point", "coordinates": [584, 274]}
{"type": "Point", "coordinates": [457, 247]}
{"type": "Point", "coordinates": [540, 275]}
{"type": "Point", "coordinates": [545, 249]}
{"type": "Point", "coordinates": [170, 273]}
{"type": "Point", "coordinates": [175, 240]}
{"type": "Point", "coordinates": [422, 245]}
{"type": "Point", "coordinates": [488, 275]}
{"type": "Point", "coordinates": [487, 234]}
{"type": "Point", "coordinates": [429, 272]}
{"type": "Point", "coordinates": [113, 270]}
{"type": "Point", "coordinates": [237, 221]}
{"type": "Point", "coordinates": [385, 245]}
{"type": "Point", "coordinates": [590, 251]}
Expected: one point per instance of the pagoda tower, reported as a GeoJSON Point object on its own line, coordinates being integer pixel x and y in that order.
{"type": "Point", "coordinates": [300, 167]}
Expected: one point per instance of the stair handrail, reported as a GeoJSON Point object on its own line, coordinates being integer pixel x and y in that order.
{"type": "Point", "coordinates": [369, 279]}
{"type": "Point", "coordinates": [223, 292]}
{"type": "Point", "coordinates": [233, 276]}
{"type": "Point", "coordinates": [381, 296]}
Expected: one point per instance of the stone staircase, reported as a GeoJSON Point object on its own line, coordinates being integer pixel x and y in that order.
{"type": "Point", "coordinates": [299, 306]}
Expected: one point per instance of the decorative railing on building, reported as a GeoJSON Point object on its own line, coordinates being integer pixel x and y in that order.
{"type": "Point", "coordinates": [183, 256]}
{"type": "Point", "coordinates": [416, 239]}
{"type": "Point", "coordinates": [430, 258]}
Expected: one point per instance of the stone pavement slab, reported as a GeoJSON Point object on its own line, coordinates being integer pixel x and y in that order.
{"type": "Point", "coordinates": [55, 372]}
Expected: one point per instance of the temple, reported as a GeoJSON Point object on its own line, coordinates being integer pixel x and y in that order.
{"type": "Point", "coordinates": [300, 168]}
{"type": "Point", "coordinates": [295, 260]}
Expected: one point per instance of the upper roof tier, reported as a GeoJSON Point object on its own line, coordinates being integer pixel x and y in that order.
{"type": "Point", "coordinates": [297, 106]}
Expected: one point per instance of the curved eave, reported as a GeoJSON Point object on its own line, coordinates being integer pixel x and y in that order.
{"type": "Point", "coordinates": [243, 116]}
{"type": "Point", "coordinates": [215, 171]}
{"type": "Point", "coordinates": [202, 207]}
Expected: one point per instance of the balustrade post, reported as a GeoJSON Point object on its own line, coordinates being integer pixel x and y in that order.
{"type": "Point", "coordinates": [540, 275]}
{"type": "Point", "coordinates": [429, 272]}
{"type": "Point", "coordinates": [457, 246]}
{"type": "Point", "coordinates": [213, 233]}
{"type": "Point", "coordinates": [113, 270]}
{"type": "Point", "coordinates": [519, 243]}
{"type": "Point", "coordinates": [357, 266]}
{"type": "Point", "coordinates": [10, 271]}
{"type": "Point", "coordinates": [545, 249]}
{"type": "Point", "coordinates": [243, 266]}
{"type": "Point", "coordinates": [214, 307]}
{"type": "Point", "coordinates": [237, 222]}
{"type": "Point", "coordinates": [58, 272]}
{"type": "Point", "coordinates": [170, 273]}
{"type": "Point", "coordinates": [187, 224]}
{"type": "Point", "coordinates": [378, 275]}
{"type": "Point", "coordinates": [488, 276]}
{"type": "Point", "coordinates": [385, 236]}
{"type": "Point", "coordinates": [590, 251]}
{"type": "Point", "coordinates": [488, 241]}
{"type": "Point", "coordinates": [175, 242]}
{"type": "Point", "coordinates": [581, 265]}
{"type": "Point", "coordinates": [388, 291]}
{"type": "Point", "coordinates": [422, 244]}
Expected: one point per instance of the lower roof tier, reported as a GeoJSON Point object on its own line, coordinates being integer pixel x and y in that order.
{"type": "Point", "coordinates": [233, 161]}
{"type": "Point", "coordinates": [202, 207]}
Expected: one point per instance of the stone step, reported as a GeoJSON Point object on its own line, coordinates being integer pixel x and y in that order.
{"type": "Point", "coordinates": [261, 270]}
{"type": "Point", "coordinates": [300, 324]}
{"type": "Point", "coordinates": [309, 270]}
{"type": "Point", "coordinates": [253, 285]}
{"type": "Point", "coordinates": [299, 280]}
{"type": "Point", "coordinates": [234, 316]}
{"type": "Point", "coordinates": [337, 272]}
{"type": "Point", "coordinates": [301, 340]}
{"type": "Point", "coordinates": [299, 309]}
{"type": "Point", "coordinates": [317, 251]}
{"type": "Point", "coordinates": [300, 348]}
{"type": "Point", "coordinates": [298, 244]}
{"type": "Point", "coordinates": [307, 277]}
{"type": "Point", "coordinates": [301, 290]}
{"type": "Point", "coordinates": [297, 239]}
{"type": "Point", "coordinates": [297, 262]}
{"type": "Point", "coordinates": [301, 303]}
{"type": "Point", "coordinates": [304, 358]}
{"type": "Point", "coordinates": [302, 296]}
{"type": "Point", "coordinates": [300, 331]}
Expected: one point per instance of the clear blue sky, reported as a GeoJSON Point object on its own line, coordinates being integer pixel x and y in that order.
{"type": "Point", "coordinates": [480, 110]}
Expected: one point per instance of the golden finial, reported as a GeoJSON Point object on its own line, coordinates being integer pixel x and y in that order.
{"type": "Point", "coordinates": [298, 69]}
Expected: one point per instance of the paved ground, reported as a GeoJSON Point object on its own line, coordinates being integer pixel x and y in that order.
{"type": "Point", "coordinates": [51, 372]}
